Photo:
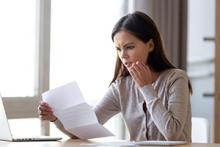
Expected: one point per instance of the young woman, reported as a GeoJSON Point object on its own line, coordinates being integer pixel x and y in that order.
{"type": "Point", "coordinates": [152, 95]}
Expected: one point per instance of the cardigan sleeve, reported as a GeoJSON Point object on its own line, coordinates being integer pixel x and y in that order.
{"type": "Point", "coordinates": [109, 105]}
{"type": "Point", "coordinates": [170, 120]}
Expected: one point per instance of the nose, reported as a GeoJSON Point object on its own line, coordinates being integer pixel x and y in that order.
{"type": "Point", "coordinates": [124, 54]}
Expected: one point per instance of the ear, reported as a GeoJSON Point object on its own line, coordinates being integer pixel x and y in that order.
{"type": "Point", "coordinates": [150, 45]}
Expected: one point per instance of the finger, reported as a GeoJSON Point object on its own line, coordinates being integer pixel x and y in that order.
{"type": "Point", "coordinates": [141, 66]}
{"type": "Point", "coordinates": [146, 67]}
{"type": "Point", "coordinates": [45, 113]}
{"type": "Point", "coordinates": [42, 112]}
{"type": "Point", "coordinates": [132, 72]}
{"type": "Point", "coordinates": [43, 103]}
{"type": "Point", "coordinates": [137, 72]}
{"type": "Point", "coordinates": [137, 68]}
{"type": "Point", "coordinates": [44, 108]}
{"type": "Point", "coordinates": [48, 117]}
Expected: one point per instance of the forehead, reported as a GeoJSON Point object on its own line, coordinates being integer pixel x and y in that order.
{"type": "Point", "coordinates": [124, 37]}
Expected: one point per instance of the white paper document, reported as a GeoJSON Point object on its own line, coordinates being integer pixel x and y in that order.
{"type": "Point", "coordinates": [75, 114]}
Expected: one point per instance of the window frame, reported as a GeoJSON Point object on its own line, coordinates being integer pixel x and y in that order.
{"type": "Point", "coordinates": [26, 107]}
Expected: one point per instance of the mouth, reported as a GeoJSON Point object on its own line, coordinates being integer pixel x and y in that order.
{"type": "Point", "coordinates": [128, 64]}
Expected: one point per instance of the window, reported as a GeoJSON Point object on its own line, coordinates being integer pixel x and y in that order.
{"type": "Point", "coordinates": [17, 48]}
{"type": "Point", "coordinates": [81, 46]}
{"type": "Point", "coordinates": [18, 58]}
{"type": "Point", "coordinates": [75, 45]}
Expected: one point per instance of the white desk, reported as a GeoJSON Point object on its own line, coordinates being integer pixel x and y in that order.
{"type": "Point", "coordinates": [76, 143]}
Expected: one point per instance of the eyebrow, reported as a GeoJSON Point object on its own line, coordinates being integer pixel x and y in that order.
{"type": "Point", "coordinates": [130, 43]}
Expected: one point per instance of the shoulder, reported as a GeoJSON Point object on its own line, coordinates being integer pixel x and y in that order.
{"type": "Point", "coordinates": [174, 73]}
{"type": "Point", "coordinates": [175, 78]}
{"type": "Point", "coordinates": [122, 82]}
{"type": "Point", "coordinates": [117, 88]}
{"type": "Point", "coordinates": [171, 76]}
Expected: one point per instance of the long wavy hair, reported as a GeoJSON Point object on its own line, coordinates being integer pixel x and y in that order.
{"type": "Point", "coordinates": [142, 27]}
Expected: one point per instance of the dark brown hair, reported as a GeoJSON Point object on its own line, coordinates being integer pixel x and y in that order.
{"type": "Point", "coordinates": [142, 26]}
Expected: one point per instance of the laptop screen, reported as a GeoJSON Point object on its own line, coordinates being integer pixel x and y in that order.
{"type": "Point", "coordinates": [6, 132]}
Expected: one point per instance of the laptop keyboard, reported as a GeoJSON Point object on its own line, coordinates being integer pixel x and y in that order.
{"type": "Point", "coordinates": [37, 139]}
{"type": "Point", "coordinates": [24, 139]}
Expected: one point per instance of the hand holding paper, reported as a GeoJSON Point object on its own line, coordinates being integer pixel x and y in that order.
{"type": "Point", "coordinates": [75, 114]}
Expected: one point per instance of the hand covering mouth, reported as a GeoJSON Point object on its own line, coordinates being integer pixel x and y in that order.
{"type": "Point", "coordinates": [128, 64]}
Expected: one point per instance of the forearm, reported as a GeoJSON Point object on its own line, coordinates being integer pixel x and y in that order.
{"type": "Point", "coordinates": [170, 119]}
{"type": "Point", "coordinates": [170, 125]}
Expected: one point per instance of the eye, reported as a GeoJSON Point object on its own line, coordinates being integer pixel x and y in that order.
{"type": "Point", "coordinates": [118, 49]}
{"type": "Point", "coordinates": [130, 47]}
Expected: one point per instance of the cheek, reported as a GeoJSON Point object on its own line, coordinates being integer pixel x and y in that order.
{"type": "Point", "coordinates": [142, 57]}
{"type": "Point", "coordinates": [141, 54]}
{"type": "Point", "coordinates": [145, 55]}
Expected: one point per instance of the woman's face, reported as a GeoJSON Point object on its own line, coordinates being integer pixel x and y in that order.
{"type": "Point", "coordinates": [130, 49]}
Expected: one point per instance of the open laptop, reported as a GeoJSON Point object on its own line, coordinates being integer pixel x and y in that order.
{"type": "Point", "coordinates": [6, 134]}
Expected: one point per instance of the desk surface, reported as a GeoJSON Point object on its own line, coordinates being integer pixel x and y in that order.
{"type": "Point", "coordinates": [77, 143]}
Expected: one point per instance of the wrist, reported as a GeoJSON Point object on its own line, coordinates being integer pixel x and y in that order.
{"type": "Point", "coordinates": [53, 119]}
